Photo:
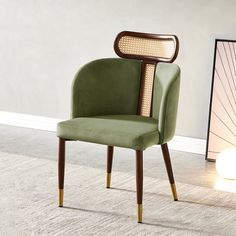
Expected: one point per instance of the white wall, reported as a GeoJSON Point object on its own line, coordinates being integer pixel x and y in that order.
{"type": "Point", "coordinates": [44, 42]}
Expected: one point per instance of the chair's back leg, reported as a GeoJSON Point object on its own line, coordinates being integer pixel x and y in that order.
{"type": "Point", "coordinates": [61, 169]}
{"type": "Point", "coordinates": [109, 164]}
{"type": "Point", "coordinates": [139, 183]}
{"type": "Point", "coordinates": [166, 155]}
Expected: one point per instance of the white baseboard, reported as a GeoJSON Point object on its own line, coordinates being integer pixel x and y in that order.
{"type": "Point", "coordinates": [187, 144]}
{"type": "Point", "coordinates": [178, 143]}
{"type": "Point", "coordinates": [28, 121]}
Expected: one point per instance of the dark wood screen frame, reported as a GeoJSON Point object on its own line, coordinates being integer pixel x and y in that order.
{"type": "Point", "coordinates": [211, 95]}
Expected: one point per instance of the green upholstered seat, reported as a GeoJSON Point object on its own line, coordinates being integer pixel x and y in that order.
{"type": "Point", "coordinates": [105, 95]}
{"type": "Point", "coordinates": [130, 131]}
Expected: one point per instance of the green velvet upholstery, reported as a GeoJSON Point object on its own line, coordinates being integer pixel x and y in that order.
{"type": "Point", "coordinates": [130, 131]}
{"type": "Point", "coordinates": [106, 87]}
{"type": "Point", "coordinates": [165, 99]}
{"type": "Point", "coordinates": [105, 96]}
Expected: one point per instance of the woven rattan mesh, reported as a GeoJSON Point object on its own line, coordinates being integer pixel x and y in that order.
{"type": "Point", "coordinates": [146, 99]}
{"type": "Point", "coordinates": [147, 47]}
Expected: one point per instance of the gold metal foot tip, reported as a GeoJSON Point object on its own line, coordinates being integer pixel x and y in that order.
{"type": "Point", "coordinates": [108, 180]}
{"type": "Point", "coordinates": [61, 196]}
{"type": "Point", "coordinates": [140, 213]}
{"type": "Point", "coordinates": [174, 192]}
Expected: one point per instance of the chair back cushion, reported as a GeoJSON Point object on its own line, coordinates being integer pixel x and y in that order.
{"type": "Point", "coordinates": [165, 99]}
{"type": "Point", "coordinates": [106, 87]}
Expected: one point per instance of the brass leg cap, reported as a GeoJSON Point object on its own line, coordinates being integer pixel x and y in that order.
{"type": "Point", "coordinates": [140, 213]}
{"type": "Point", "coordinates": [174, 192]}
{"type": "Point", "coordinates": [108, 180]}
{"type": "Point", "coordinates": [61, 196]}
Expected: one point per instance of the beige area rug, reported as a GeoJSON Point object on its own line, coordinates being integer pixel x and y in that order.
{"type": "Point", "coordinates": [28, 203]}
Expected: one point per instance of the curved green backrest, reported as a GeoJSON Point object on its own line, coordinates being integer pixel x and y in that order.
{"type": "Point", "coordinates": [111, 87]}
{"type": "Point", "coordinates": [165, 99]}
{"type": "Point", "coordinates": [106, 87]}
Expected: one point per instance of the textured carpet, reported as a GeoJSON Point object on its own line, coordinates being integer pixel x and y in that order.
{"type": "Point", "coordinates": [28, 203]}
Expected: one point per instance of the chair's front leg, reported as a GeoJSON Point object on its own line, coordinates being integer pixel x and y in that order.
{"type": "Point", "coordinates": [139, 183]}
{"type": "Point", "coordinates": [61, 170]}
{"type": "Point", "coordinates": [166, 156]}
{"type": "Point", "coordinates": [109, 164]}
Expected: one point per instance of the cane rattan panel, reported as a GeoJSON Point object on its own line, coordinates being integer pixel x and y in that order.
{"type": "Point", "coordinates": [146, 99]}
{"type": "Point", "coordinates": [147, 47]}
{"type": "Point", "coordinates": [151, 49]}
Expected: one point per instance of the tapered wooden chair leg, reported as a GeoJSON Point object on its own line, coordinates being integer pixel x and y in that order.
{"type": "Point", "coordinates": [61, 170]}
{"type": "Point", "coordinates": [139, 184]}
{"type": "Point", "coordinates": [167, 160]}
{"type": "Point", "coordinates": [109, 164]}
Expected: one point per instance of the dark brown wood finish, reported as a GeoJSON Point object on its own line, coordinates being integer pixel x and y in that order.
{"type": "Point", "coordinates": [109, 164]}
{"type": "Point", "coordinates": [139, 176]}
{"type": "Point", "coordinates": [109, 158]}
{"type": "Point", "coordinates": [61, 163]}
{"type": "Point", "coordinates": [148, 59]}
{"type": "Point", "coordinates": [166, 156]}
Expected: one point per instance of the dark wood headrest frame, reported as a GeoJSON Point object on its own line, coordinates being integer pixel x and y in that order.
{"type": "Point", "coordinates": [149, 59]}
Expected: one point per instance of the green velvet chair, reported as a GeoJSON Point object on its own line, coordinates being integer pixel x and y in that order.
{"type": "Point", "coordinates": [126, 102]}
